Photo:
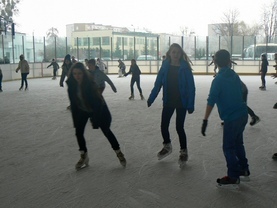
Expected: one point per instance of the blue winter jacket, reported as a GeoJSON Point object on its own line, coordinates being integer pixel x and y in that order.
{"type": "Point", "coordinates": [226, 93]}
{"type": "Point", "coordinates": [185, 80]}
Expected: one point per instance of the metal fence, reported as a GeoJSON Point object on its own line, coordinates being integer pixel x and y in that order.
{"type": "Point", "coordinates": [42, 49]}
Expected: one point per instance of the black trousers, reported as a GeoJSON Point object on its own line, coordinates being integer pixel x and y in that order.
{"type": "Point", "coordinates": [180, 120]}
{"type": "Point", "coordinates": [137, 80]}
{"type": "Point", "coordinates": [104, 126]}
{"type": "Point", "coordinates": [24, 79]}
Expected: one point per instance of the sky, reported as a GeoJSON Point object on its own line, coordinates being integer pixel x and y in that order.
{"type": "Point", "coordinates": [36, 17]}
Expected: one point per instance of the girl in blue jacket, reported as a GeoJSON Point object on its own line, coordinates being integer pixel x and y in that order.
{"type": "Point", "coordinates": [176, 78]}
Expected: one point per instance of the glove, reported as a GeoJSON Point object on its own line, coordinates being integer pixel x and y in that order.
{"type": "Point", "coordinates": [204, 126]}
{"type": "Point", "coordinates": [190, 111]}
{"type": "Point", "coordinates": [148, 103]}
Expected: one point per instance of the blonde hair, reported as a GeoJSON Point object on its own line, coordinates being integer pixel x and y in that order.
{"type": "Point", "coordinates": [184, 56]}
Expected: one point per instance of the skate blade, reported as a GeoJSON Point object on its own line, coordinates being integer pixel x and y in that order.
{"type": "Point", "coordinates": [228, 186]}
{"type": "Point", "coordinates": [245, 178]}
{"type": "Point", "coordinates": [123, 164]}
{"type": "Point", "coordinates": [163, 156]}
{"type": "Point", "coordinates": [182, 165]}
{"type": "Point", "coordinates": [82, 167]}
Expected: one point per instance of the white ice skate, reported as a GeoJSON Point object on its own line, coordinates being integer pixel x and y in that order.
{"type": "Point", "coordinates": [183, 158]}
{"type": "Point", "coordinates": [83, 162]}
{"type": "Point", "coordinates": [121, 157]}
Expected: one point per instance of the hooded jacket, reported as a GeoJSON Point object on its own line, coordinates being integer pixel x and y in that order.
{"type": "Point", "coordinates": [185, 82]}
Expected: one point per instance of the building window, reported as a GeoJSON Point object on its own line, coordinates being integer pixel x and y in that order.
{"type": "Point", "coordinates": [96, 41]}
{"type": "Point", "coordinates": [118, 40]}
{"type": "Point", "coordinates": [105, 40]}
{"type": "Point", "coordinates": [85, 41]}
{"type": "Point", "coordinates": [125, 41]}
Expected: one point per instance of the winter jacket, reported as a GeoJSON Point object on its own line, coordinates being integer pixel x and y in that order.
{"type": "Point", "coordinates": [185, 82]}
{"type": "Point", "coordinates": [100, 78]}
{"type": "Point", "coordinates": [226, 92]}
{"type": "Point", "coordinates": [134, 70]}
{"type": "Point", "coordinates": [65, 70]}
{"type": "Point", "coordinates": [23, 66]}
{"type": "Point", "coordinates": [54, 64]}
{"type": "Point", "coordinates": [94, 100]}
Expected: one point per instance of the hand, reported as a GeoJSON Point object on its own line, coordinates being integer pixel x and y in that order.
{"type": "Point", "coordinates": [190, 111]}
{"type": "Point", "coordinates": [61, 85]}
{"type": "Point", "coordinates": [204, 126]}
{"type": "Point", "coordinates": [114, 89]}
{"type": "Point", "coordinates": [148, 103]}
{"type": "Point", "coordinates": [16, 71]}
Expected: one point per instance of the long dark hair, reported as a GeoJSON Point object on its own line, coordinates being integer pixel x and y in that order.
{"type": "Point", "coordinates": [184, 56]}
{"type": "Point", "coordinates": [88, 86]}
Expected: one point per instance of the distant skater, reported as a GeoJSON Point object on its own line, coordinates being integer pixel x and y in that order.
{"type": "Point", "coordinates": [226, 93]}
{"type": "Point", "coordinates": [263, 71]}
{"type": "Point", "coordinates": [55, 66]}
{"type": "Point", "coordinates": [275, 66]}
{"type": "Point", "coordinates": [122, 67]}
{"type": "Point", "coordinates": [23, 66]}
{"type": "Point", "coordinates": [1, 77]}
{"type": "Point", "coordinates": [135, 71]}
{"type": "Point", "coordinates": [176, 79]}
{"type": "Point", "coordinates": [65, 70]}
{"type": "Point", "coordinates": [86, 102]}
{"type": "Point", "coordinates": [99, 77]}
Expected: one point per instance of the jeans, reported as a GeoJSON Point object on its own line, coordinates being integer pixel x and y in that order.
{"type": "Point", "coordinates": [104, 126]}
{"type": "Point", "coordinates": [180, 120]}
{"type": "Point", "coordinates": [233, 147]}
{"type": "Point", "coordinates": [263, 73]}
{"type": "Point", "coordinates": [24, 79]}
{"type": "Point", "coordinates": [137, 80]}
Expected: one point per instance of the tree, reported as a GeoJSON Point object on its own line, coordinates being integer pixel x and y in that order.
{"type": "Point", "coordinates": [9, 9]}
{"type": "Point", "coordinates": [52, 33]}
{"type": "Point", "coordinates": [270, 20]}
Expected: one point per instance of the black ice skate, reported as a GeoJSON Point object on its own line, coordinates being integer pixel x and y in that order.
{"type": "Point", "coordinates": [166, 150]}
{"type": "Point", "coordinates": [121, 157]}
{"type": "Point", "coordinates": [183, 158]}
{"type": "Point", "coordinates": [83, 162]}
{"type": "Point", "coordinates": [227, 182]}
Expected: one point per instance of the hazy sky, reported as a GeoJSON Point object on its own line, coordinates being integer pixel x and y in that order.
{"type": "Point", "coordinates": [38, 16]}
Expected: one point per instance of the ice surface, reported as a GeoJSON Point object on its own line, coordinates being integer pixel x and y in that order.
{"type": "Point", "coordinates": [38, 151]}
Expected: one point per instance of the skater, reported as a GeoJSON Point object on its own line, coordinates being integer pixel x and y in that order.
{"type": "Point", "coordinates": [65, 69]}
{"type": "Point", "coordinates": [215, 66]}
{"type": "Point", "coordinates": [226, 91]}
{"type": "Point", "coordinates": [74, 60]}
{"type": "Point", "coordinates": [99, 77]}
{"type": "Point", "coordinates": [176, 78]}
{"type": "Point", "coordinates": [122, 67]}
{"type": "Point", "coordinates": [275, 66]}
{"type": "Point", "coordinates": [101, 65]}
{"type": "Point", "coordinates": [86, 102]}
{"type": "Point", "coordinates": [1, 77]}
{"type": "Point", "coordinates": [135, 71]}
{"type": "Point", "coordinates": [55, 68]}
{"type": "Point", "coordinates": [263, 71]}
{"type": "Point", "coordinates": [24, 67]}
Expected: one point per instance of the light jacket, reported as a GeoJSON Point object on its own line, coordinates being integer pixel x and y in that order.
{"type": "Point", "coordinates": [23, 66]}
{"type": "Point", "coordinates": [185, 82]}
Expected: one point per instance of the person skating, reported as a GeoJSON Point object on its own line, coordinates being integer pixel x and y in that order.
{"type": "Point", "coordinates": [263, 71]}
{"type": "Point", "coordinates": [55, 66]}
{"type": "Point", "coordinates": [226, 93]}
{"type": "Point", "coordinates": [135, 71]}
{"type": "Point", "coordinates": [1, 77]}
{"type": "Point", "coordinates": [86, 102]}
{"type": "Point", "coordinates": [23, 66]}
{"type": "Point", "coordinates": [99, 77]}
{"type": "Point", "coordinates": [122, 67]}
{"type": "Point", "coordinates": [176, 78]}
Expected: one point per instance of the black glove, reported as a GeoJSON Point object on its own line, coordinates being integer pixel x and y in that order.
{"type": "Point", "coordinates": [190, 111]}
{"type": "Point", "coordinates": [148, 103]}
{"type": "Point", "coordinates": [204, 126]}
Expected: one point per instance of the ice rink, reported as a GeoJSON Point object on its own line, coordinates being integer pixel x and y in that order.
{"type": "Point", "coordinates": [38, 151]}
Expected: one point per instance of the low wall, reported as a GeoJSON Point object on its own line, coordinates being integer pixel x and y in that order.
{"type": "Point", "coordinates": [147, 67]}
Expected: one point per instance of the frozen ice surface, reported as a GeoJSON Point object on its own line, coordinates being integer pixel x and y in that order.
{"type": "Point", "coordinates": [38, 151]}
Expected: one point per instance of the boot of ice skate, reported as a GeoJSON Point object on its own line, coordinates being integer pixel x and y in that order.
{"type": "Point", "coordinates": [121, 157]}
{"type": "Point", "coordinates": [83, 162]}
{"type": "Point", "coordinates": [132, 97]}
{"type": "Point", "coordinates": [141, 96]}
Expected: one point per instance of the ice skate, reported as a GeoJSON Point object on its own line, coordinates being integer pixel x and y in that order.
{"type": "Point", "coordinates": [263, 88]}
{"type": "Point", "coordinates": [20, 88]}
{"type": "Point", "coordinates": [274, 156]}
{"type": "Point", "coordinates": [227, 182]}
{"type": "Point", "coordinates": [26, 88]}
{"type": "Point", "coordinates": [244, 175]}
{"type": "Point", "coordinates": [132, 97]}
{"type": "Point", "coordinates": [255, 120]}
{"type": "Point", "coordinates": [166, 150]}
{"type": "Point", "coordinates": [183, 158]}
{"type": "Point", "coordinates": [141, 97]}
{"type": "Point", "coordinates": [83, 162]}
{"type": "Point", "coordinates": [121, 157]}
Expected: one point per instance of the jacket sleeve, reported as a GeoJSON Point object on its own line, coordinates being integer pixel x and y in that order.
{"type": "Point", "coordinates": [157, 86]}
{"type": "Point", "coordinates": [191, 89]}
{"type": "Point", "coordinates": [108, 80]}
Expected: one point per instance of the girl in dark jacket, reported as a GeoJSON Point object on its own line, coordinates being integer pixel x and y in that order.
{"type": "Point", "coordinates": [135, 71]}
{"type": "Point", "coordinates": [176, 79]}
{"type": "Point", "coordinates": [86, 102]}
